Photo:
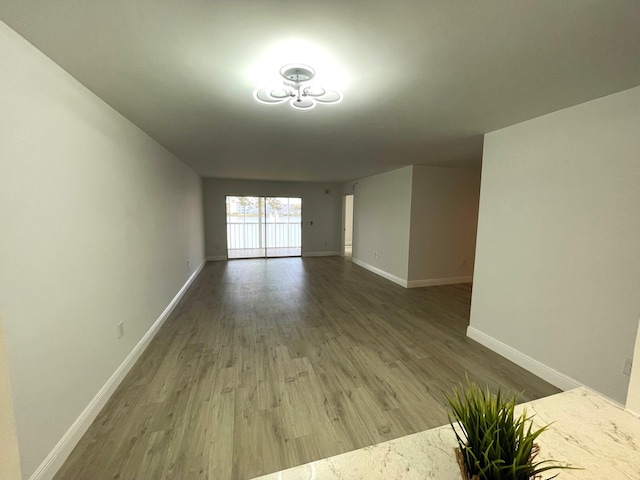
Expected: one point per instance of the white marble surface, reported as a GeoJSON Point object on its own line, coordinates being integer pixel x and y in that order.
{"type": "Point", "coordinates": [588, 431]}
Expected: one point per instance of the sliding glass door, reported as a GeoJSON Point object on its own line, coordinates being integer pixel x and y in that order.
{"type": "Point", "coordinates": [283, 226]}
{"type": "Point", "coordinates": [264, 227]}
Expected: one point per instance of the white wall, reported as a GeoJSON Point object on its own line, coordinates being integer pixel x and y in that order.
{"type": "Point", "coordinates": [558, 257]}
{"type": "Point", "coordinates": [382, 211]}
{"type": "Point", "coordinates": [321, 204]}
{"type": "Point", "coordinates": [421, 221]}
{"type": "Point", "coordinates": [444, 219]}
{"type": "Point", "coordinates": [98, 224]}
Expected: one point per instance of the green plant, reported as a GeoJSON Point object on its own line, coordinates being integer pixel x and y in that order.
{"type": "Point", "coordinates": [494, 443]}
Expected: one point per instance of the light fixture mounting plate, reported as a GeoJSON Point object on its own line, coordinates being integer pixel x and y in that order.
{"type": "Point", "coordinates": [297, 73]}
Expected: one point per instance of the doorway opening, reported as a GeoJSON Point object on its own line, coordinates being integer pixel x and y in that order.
{"type": "Point", "coordinates": [347, 209]}
{"type": "Point", "coordinates": [259, 227]}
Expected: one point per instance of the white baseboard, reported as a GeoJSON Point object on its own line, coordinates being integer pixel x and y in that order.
{"type": "Point", "coordinates": [218, 258]}
{"type": "Point", "coordinates": [430, 282]}
{"type": "Point", "coordinates": [70, 439]}
{"type": "Point", "coordinates": [382, 273]}
{"type": "Point", "coordinates": [560, 380]}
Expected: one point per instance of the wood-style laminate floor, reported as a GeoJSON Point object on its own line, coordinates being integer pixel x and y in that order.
{"type": "Point", "coordinates": [266, 364]}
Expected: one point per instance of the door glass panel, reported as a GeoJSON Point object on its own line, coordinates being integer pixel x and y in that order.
{"type": "Point", "coordinates": [245, 227]}
{"type": "Point", "coordinates": [283, 226]}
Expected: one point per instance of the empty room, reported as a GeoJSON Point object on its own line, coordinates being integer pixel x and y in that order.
{"type": "Point", "coordinates": [275, 239]}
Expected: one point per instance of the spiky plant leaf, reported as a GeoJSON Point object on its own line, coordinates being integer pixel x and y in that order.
{"type": "Point", "coordinates": [495, 444]}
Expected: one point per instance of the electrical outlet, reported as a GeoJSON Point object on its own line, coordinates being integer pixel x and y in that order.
{"type": "Point", "coordinates": [626, 368]}
{"type": "Point", "coordinates": [121, 330]}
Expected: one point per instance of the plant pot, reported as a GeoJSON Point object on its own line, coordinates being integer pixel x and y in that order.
{"type": "Point", "coordinates": [465, 474]}
{"type": "Point", "coordinates": [463, 468]}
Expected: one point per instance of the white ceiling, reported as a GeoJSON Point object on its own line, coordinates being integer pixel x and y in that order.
{"type": "Point", "coordinates": [425, 78]}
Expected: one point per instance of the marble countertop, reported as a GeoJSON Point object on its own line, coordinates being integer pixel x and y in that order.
{"type": "Point", "coordinates": [588, 431]}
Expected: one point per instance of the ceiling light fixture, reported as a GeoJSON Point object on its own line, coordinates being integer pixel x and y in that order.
{"type": "Point", "coordinates": [297, 90]}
